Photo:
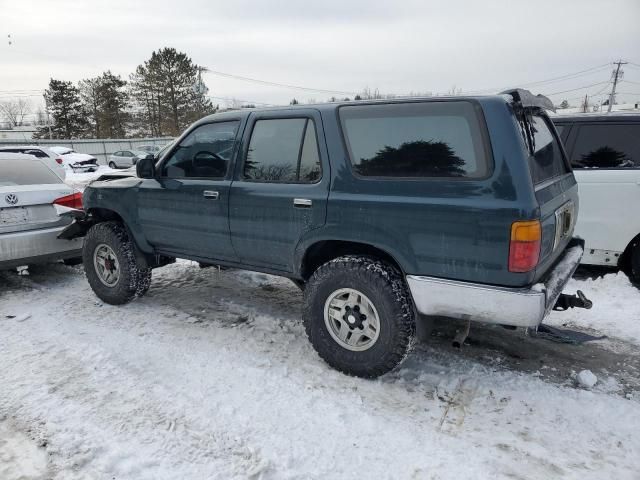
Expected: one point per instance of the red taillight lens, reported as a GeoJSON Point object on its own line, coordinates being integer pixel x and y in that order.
{"type": "Point", "coordinates": [59, 161]}
{"type": "Point", "coordinates": [524, 248]}
{"type": "Point", "coordinates": [72, 201]}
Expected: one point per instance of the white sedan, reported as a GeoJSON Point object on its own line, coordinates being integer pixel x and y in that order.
{"type": "Point", "coordinates": [31, 193]}
{"type": "Point", "coordinates": [127, 158]}
{"type": "Point", "coordinates": [78, 162]}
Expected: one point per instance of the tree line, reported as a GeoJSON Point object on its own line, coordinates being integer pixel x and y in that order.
{"type": "Point", "coordinates": [163, 96]}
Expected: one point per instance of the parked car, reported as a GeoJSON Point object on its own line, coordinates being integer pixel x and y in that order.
{"type": "Point", "coordinates": [78, 162]}
{"type": "Point", "coordinates": [605, 154]}
{"type": "Point", "coordinates": [52, 159]}
{"type": "Point", "coordinates": [29, 224]}
{"type": "Point", "coordinates": [461, 207]}
{"type": "Point", "coordinates": [127, 158]}
{"type": "Point", "coordinates": [131, 171]}
{"type": "Point", "coordinates": [149, 148]}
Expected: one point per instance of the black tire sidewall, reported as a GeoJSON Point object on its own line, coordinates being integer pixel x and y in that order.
{"type": "Point", "coordinates": [397, 326]}
{"type": "Point", "coordinates": [114, 235]}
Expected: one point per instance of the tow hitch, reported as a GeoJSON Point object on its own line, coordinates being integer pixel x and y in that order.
{"type": "Point", "coordinates": [579, 300]}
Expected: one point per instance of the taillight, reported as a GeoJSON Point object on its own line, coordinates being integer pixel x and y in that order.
{"type": "Point", "coordinates": [59, 161]}
{"type": "Point", "coordinates": [524, 248]}
{"type": "Point", "coordinates": [72, 201]}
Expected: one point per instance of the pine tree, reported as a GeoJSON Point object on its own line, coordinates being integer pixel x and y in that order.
{"type": "Point", "coordinates": [169, 92]}
{"type": "Point", "coordinates": [68, 118]}
{"type": "Point", "coordinates": [105, 102]}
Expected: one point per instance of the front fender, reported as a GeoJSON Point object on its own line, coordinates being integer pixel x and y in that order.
{"type": "Point", "coordinates": [117, 199]}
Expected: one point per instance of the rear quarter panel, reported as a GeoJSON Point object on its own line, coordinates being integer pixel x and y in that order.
{"type": "Point", "coordinates": [450, 228]}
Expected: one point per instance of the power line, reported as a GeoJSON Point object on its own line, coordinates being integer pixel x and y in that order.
{"type": "Point", "coordinates": [276, 84]}
{"type": "Point", "coordinates": [567, 76]}
{"type": "Point", "coordinates": [579, 88]}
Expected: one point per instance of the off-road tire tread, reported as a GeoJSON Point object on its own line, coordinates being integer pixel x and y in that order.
{"type": "Point", "coordinates": [382, 277]}
{"type": "Point", "coordinates": [135, 280]}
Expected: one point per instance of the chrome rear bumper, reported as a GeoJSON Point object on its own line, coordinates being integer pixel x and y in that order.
{"type": "Point", "coordinates": [519, 307]}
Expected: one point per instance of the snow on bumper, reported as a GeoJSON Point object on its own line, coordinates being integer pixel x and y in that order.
{"type": "Point", "coordinates": [520, 307]}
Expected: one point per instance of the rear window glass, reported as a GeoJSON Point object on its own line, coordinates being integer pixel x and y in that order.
{"type": "Point", "coordinates": [25, 172]}
{"type": "Point", "coordinates": [434, 139]}
{"type": "Point", "coordinates": [547, 161]}
{"type": "Point", "coordinates": [607, 146]}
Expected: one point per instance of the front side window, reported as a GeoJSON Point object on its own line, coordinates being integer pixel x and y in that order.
{"type": "Point", "coordinates": [607, 146]}
{"type": "Point", "coordinates": [431, 139]}
{"type": "Point", "coordinates": [547, 161]}
{"type": "Point", "coordinates": [204, 153]}
{"type": "Point", "coordinates": [283, 150]}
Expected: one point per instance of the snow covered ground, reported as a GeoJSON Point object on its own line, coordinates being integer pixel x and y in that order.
{"type": "Point", "coordinates": [210, 376]}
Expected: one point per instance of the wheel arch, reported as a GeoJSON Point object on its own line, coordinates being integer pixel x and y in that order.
{"type": "Point", "coordinates": [323, 251]}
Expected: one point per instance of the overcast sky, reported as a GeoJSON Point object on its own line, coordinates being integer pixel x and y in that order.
{"type": "Point", "coordinates": [344, 45]}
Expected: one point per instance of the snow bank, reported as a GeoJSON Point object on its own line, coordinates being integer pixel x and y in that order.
{"type": "Point", "coordinates": [615, 311]}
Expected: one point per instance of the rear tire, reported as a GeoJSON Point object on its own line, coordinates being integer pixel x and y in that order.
{"type": "Point", "coordinates": [359, 316]}
{"type": "Point", "coordinates": [110, 264]}
{"type": "Point", "coordinates": [112, 165]}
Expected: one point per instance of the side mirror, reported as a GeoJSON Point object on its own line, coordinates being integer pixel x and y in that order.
{"type": "Point", "coordinates": [146, 168]}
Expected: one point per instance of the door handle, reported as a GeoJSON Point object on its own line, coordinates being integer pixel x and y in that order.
{"type": "Point", "coordinates": [302, 202]}
{"type": "Point", "coordinates": [210, 194]}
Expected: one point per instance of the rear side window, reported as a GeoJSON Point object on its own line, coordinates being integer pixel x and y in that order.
{"type": "Point", "coordinates": [434, 139]}
{"type": "Point", "coordinates": [607, 146]}
{"type": "Point", "coordinates": [547, 161]}
{"type": "Point", "coordinates": [25, 172]}
{"type": "Point", "coordinates": [283, 150]}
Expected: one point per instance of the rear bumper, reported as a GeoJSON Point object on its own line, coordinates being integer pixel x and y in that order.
{"type": "Point", "coordinates": [519, 307]}
{"type": "Point", "coordinates": [36, 246]}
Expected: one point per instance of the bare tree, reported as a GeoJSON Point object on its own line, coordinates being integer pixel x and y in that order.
{"type": "Point", "coordinates": [14, 111]}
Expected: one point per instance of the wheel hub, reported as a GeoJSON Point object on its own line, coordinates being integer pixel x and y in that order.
{"type": "Point", "coordinates": [105, 263]}
{"type": "Point", "coordinates": [351, 319]}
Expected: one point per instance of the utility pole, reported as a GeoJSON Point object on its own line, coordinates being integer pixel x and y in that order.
{"type": "Point", "coordinates": [616, 74]}
{"type": "Point", "coordinates": [46, 108]}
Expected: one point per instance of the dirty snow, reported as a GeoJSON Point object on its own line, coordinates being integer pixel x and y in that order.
{"type": "Point", "coordinates": [210, 376]}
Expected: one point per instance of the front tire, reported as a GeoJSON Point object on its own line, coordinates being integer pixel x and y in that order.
{"type": "Point", "coordinates": [110, 264]}
{"type": "Point", "coordinates": [112, 165]}
{"type": "Point", "coordinates": [359, 316]}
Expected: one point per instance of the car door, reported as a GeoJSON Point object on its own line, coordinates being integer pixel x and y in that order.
{"type": "Point", "coordinates": [184, 210]}
{"type": "Point", "coordinates": [281, 187]}
{"type": "Point", "coordinates": [606, 161]}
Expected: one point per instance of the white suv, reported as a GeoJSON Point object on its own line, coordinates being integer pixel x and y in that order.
{"type": "Point", "coordinates": [605, 155]}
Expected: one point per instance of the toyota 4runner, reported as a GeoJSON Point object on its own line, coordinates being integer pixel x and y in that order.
{"type": "Point", "coordinates": [380, 211]}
